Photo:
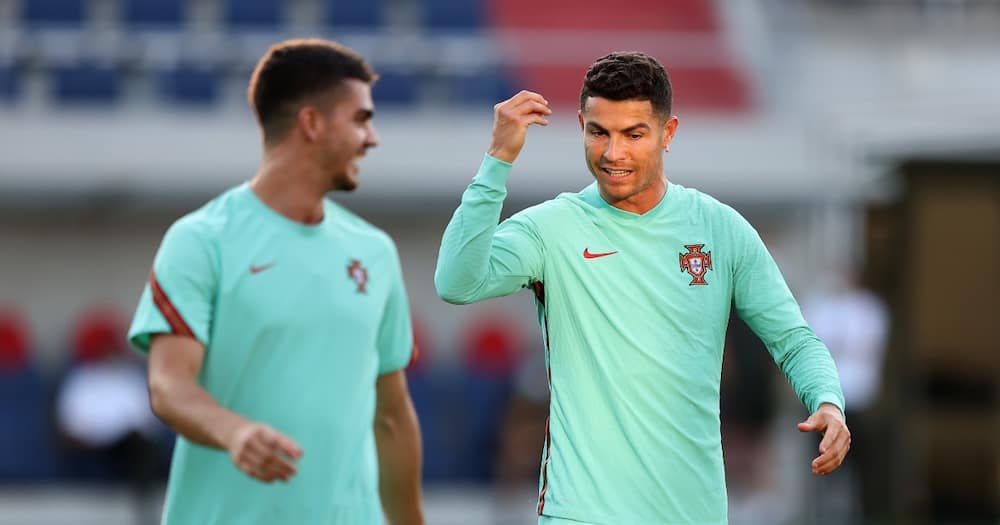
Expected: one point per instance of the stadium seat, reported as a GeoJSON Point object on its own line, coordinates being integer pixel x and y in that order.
{"type": "Point", "coordinates": [664, 16]}
{"type": "Point", "coordinates": [188, 84]}
{"type": "Point", "coordinates": [483, 88]}
{"type": "Point", "coordinates": [267, 14]}
{"type": "Point", "coordinates": [26, 448]}
{"type": "Point", "coordinates": [452, 14]}
{"type": "Point", "coordinates": [707, 79]}
{"type": "Point", "coordinates": [352, 14]}
{"type": "Point", "coordinates": [431, 406]}
{"type": "Point", "coordinates": [10, 85]}
{"type": "Point", "coordinates": [490, 353]}
{"type": "Point", "coordinates": [161, 14]}
{"type": "Point", "coordinates": [99, 335]}
{"type": "Point", "coordinates": [437, 399]}
{"type": "Point", "coordinates": [53, 12]}
{"type": "Point", "coordinates": [86, 83]}
{"type": "Point", "coordinates": [395, 88]}
{"type": "Point", "coordinates": [485, 397]}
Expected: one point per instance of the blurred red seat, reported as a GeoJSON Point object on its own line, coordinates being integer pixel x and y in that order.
{"type": "Point", "coordinates": [550, 45]}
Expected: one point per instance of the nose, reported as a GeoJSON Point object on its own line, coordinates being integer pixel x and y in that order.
{"type": "Point", "coordinates": [371, 140]}
{"type": "Point", "coordinates": [615, 150]}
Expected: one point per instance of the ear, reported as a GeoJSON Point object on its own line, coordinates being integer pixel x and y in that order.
{"type": "Point", "coordinates": [579, 116]}
{"type": "Point", "coordinates": [310, 123]}
{"type": "Point", "coordinates": [669, 129]}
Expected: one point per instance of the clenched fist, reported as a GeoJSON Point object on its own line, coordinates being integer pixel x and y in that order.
{"type": "Point", "coordinates": [511, 119]}
{"type": "Point", "coordinates": [263, 453]}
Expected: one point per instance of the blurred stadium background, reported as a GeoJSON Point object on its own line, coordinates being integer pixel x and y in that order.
{"type": "Point", "coordinates": [861, 137]}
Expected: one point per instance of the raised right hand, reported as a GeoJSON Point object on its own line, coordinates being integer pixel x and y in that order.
{"type": "Point", "coordinates": [263, 453]}
{"type": "Point", "coordinates": [511, 119]}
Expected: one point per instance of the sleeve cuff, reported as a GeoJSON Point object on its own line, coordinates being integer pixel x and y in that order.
{"type": "Point", "coordinates": [828, 397]}
{"type": "Point", "coordinates": [493, 172]}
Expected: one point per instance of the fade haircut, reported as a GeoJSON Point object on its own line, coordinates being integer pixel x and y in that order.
{"type": "Point", "coordinates": [294, 70]}
{"type": "Point", "coordinates": [629, 75]}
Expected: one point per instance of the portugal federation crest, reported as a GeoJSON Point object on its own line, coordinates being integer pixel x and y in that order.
{"type": "Point", "coordinates": [358, 274]}
{"type": "Point", "coordinates": [696, 263]}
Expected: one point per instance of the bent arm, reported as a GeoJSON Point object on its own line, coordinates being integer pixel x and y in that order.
{"type": "Point", "coordinates": [480, 259]}
{"type": "Point", "coordinates": [763, 300]}
{"type": "Point", "coordinates": [397, 437]}
{"type": "Point", "coordinates": [178, 399]}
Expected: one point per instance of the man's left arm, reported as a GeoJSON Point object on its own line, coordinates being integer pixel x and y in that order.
{"type": "Point", "coordinates": [763, 300]}
{"type": "Point", "coordinates": [397, 436]}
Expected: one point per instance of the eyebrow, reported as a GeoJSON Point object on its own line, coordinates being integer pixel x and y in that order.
{"type": "Point", "coordinates": [635, 127]}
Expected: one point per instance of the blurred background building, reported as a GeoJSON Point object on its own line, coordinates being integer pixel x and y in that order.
{"type": "Point", "coordinates": [861, 137]}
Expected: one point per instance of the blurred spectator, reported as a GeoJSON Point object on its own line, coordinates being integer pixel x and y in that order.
{"type": "Point", "coordinates": [102, 409]}
{"type": "Point", "coordinates": [26, 452]}
{"type": "Point", "coordinates": [853, 322]}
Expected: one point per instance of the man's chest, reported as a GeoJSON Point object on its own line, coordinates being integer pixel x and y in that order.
{"type": "Point", "coordinates": [294, 286]}
{"type": "Point", "coordinates": [669, 257]}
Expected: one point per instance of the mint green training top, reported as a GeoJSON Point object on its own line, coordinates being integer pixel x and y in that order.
{"type": "Point", "coordinates": [297, 321]}
{"type": "Point", "coordinates": [633, 310]}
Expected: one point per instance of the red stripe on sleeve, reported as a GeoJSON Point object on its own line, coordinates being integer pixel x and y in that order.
{"type": "Point", "coordinates": [414, 356]}
{"type": "Point", "coordinates": [170, 313]}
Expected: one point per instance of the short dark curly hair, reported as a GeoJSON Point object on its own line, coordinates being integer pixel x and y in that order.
{"type": "Point", "coordinates": [293, 70]}
{"type": "Point", "coordinates": [629, 75]}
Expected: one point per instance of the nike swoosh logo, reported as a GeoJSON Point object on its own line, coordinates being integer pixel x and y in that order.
{"type": "Point", "coordinates": [588, 255]}
{"type": "Point", "coordinates": [254, 270]}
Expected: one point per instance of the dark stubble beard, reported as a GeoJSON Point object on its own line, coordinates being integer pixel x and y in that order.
{"type": "Point", "coordinates": [344, 183]}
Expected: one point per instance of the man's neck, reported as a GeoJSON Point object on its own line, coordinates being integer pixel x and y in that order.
{"type": "Point", "coordinates": [289, 186]}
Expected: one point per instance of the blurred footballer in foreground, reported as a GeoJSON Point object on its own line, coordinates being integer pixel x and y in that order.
{"type": "Point", "coordinates": [278, 327]}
